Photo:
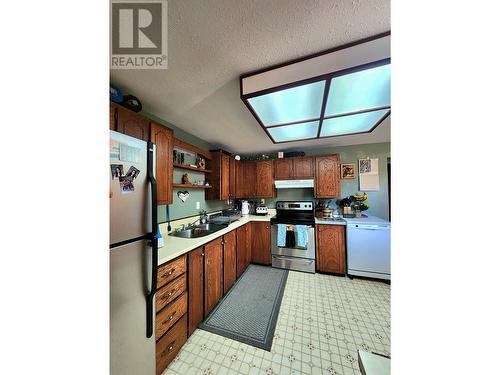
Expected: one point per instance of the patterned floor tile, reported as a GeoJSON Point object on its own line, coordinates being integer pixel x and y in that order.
{"type": "Point", "coordinates": [322, 323]}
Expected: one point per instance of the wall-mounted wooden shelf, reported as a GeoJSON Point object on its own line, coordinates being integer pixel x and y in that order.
{"type": "Point", "coordinates": [189, 147]}
{"type": "Point", "coordinates": [184, 166]}
{"type": "Point", "coordinates": [187, 186]}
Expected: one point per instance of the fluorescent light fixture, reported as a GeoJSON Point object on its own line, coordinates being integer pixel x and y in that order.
{"type": "Point", "coordinates": [343, 91]}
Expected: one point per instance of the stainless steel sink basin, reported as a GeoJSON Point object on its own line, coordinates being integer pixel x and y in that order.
{"type": "Point", "coordinates": [198, 231]}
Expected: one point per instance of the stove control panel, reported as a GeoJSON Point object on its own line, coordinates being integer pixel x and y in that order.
{"type": "Point", "coordinates": [289, 205]}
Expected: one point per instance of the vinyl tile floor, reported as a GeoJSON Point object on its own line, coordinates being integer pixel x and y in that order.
{"type": "Point", "coordinates": [322, 323]}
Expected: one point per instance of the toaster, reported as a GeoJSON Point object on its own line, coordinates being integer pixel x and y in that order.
{"type": "Point", "coordinates": [261, 210]}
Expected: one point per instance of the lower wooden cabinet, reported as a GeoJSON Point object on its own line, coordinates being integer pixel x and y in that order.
{"type": "Point", "coordinates": [196, 265]}
{"type": "Point", "coordinates": [261, 242]}
{"type": "Point", "coordinates": [213, 274]}
{"type": "Point", "coordinates": [167, 317]}
{"type": "Point", "coordinates": [170, 344]}
{"type": "Point", "coordinates": [330, 248]}
{"type": "Point", "coordinates": [243, 248]}
{"type": "Point", "coordinates": [229, 245]}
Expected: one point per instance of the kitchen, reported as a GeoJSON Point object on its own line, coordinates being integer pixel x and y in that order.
{"type": "Point", "coordinates": [231, 204]}
{"type": "Point", "coordinates": [226, 245]}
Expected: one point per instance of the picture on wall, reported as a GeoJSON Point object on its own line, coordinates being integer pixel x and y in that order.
{"type": "Point", "coordinates": [348, 171]}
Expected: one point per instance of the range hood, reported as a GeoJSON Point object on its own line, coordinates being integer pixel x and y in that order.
{"type": "Point", "coordinates": [294, 184]}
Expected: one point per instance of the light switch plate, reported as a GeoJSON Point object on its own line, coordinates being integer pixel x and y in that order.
{"type": "Point", "coordinates": [197, 205]}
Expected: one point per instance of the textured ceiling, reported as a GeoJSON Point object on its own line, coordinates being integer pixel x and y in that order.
{"type": "Point", "coordinates": [212, 42]}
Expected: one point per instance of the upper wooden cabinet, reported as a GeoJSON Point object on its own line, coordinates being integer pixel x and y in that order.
{"type": "Point", "coordinates": [131, 123]}
{"type": "Point", "coordinates": [249, 178]}
{"type": "Point", "coordinates": [330, 248]}
{"type": "Point", "coordinates": [233, 173]}
{"type": "Point", "coordinates": [297, 168]}
{"type": "Point", "coordinates": [327, 181]}
{"type": "Point", "coordinates": [219, 178]}
{"type": "Point", "coordinates": [303, 167]}
{"type": "Point", "coordinates": [261, 242]}
{"type": "Point", "coordinates": [240, 179]}
{"type": "Point", "coordinates": [283, 169]}
{"type": "Point", "coordinates": [264, 179]}
{"type": "Point", "coordinates": [113, 116]}
{"type": "Point", "coordinates": [163, 137]}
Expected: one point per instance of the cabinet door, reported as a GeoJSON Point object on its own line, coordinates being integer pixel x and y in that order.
{"type": "Point", "coordinates": [249, 175]}
{"type": "Point", "coordinates": [261, 242]}
{"type": "Point", "coordinates": [283, 169]}
{"type": "Point", "coordinates": [163, 137]}
{"type": "Point", "coordinates": [213, 274]}
{"type": "Point", "coordinates": [229, 260]}
{"type": "Point", "coordinates": [327, 181]}
{"type": "Point", "coordinates": [195, 288]}
{"type": "Point", "coordinates": [264, 179]}
{"type": "Point", "coordinates": [224, 175]}
{"type": "Point", "coordinates": [240, 180]}
{"type": "Point", "coordinates": [243, 248]}
{"type": "Point", "coordinates": [132, 124]}
{"type": "Point", "coordinates": [113, 116]}
{"type": "Point", "coordinates": [330, 248]}
{"type": "Point", "coordinates": [232, 178]}
{"type": "Point", "coordinates": [303, 167]}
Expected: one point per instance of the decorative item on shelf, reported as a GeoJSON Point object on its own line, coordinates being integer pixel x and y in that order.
{"type": "Point", "coordinates": [348, 171]}
{"type": "Point", "coordinates": [200, 162]}
{"type": "Point", "coordinates": [183, 195]}
{"type": "Point", "coordinates": [185, 179]}
{"type": "Point", "coordinates": [176, 156]}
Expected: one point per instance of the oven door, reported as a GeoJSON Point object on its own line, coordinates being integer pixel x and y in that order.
{"type": "Point", "coordinates": [293, 249]}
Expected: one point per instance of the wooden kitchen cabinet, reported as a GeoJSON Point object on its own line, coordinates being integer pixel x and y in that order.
{"type": "Point", "coordinates": [327, 181]}
{"type": "Point", "coordinates": [303, 167]}
{"type": "Point", "coordinates": [170, 344]}
{"type": "Point", "coordinates": [229, 246]}
{"type": "Point", "coordinates": [132, 123]}
{"type": "Point", "coordinates": [261, 242]}
{"type": "Point", "coordinates": [264, 179]}
{"type": "Point", "coordinates": [233, 173]}
{"type": "Point", "coordinates": [163, 138]}
{"type": "Point", "coordinates": [330, 248]}
{"type": "Point", "coordinates": [240, 179]}
{"type": "Point", "coordinates": [243, 248]}
{"type": "Point", "coordinates": [213, 274]}
{"type": "Point", "coordinates": [219, 179]}
{"type": "Point", "coordinates": [196, 265]}
{"type": "Point", "coordinates": [249, 178]}
{"type": "Point", "coordinates": [113, 116]}
{"type": "Point", "coordinates": [283, 169]}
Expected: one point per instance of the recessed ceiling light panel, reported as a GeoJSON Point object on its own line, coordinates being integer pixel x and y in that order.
{"type": "Point", "coordinates": [343, 91]}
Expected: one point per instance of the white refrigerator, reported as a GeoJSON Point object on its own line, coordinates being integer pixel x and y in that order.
{"type": "Point", "coordinates": [133, 255]}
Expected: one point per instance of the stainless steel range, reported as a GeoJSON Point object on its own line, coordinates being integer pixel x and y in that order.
{"type": "Point", "coordinates": [292, 236]}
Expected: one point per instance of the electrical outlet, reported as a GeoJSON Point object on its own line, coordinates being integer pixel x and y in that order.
{"type": "Point", "coordinates": [197, 205]}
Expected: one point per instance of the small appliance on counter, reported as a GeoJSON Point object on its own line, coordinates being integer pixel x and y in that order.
{"type": "Point", "coordinates": [261, 209]}
{"type": "Point", "coordinates": [245, 208]}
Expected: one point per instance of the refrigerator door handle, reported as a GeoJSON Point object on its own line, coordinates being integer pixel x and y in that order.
{"type": "Point", "coordinates": [154, 243]}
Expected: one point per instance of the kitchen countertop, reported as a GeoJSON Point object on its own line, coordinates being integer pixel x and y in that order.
{"type": "Point", "coordinates": [177, 246]}
{"type": "Point", "coordinates": [370, 219]}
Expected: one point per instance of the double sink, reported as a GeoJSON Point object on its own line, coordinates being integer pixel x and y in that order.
{"type": "Point", "coordinates": [197, 231]}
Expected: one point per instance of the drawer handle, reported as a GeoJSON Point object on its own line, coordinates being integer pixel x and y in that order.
{"type": "Point", "coordinates": [168, 273]}
{"type": "Point", "coordinates": [168, 295]}
{"type": "Point", "coordinates": [169, 349]}
{"type": "Point", "coordinates": [169, 318]}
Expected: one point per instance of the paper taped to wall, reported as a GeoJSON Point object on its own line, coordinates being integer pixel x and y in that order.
{"type": "Point", "coordinates": [368, 175]}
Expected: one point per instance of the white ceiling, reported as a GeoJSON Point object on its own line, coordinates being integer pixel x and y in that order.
{"type": "Point", "coordinates": [212, 42]}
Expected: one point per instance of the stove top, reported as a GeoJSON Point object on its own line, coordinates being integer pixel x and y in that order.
{"type": "Point", "coordinates": [294, 212]}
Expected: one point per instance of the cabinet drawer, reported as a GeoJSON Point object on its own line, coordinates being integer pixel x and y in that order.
{"type": "Point", "coordinates": [170, 292]}
{"type": "Point", "coordinates": [171, 270]}
{"type": "Point", "coordinates": [169, 315]}
{"type": "Point", "coordinates": [170, 344]}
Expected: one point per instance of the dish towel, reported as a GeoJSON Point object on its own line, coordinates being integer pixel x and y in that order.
{"type": "Point", "coordinates": [281, 235]}
{"type": "Point", "coordinates": [301, 235]}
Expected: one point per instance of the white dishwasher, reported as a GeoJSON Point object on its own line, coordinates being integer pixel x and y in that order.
{"type": "Point", "coordinates": [369, 249]}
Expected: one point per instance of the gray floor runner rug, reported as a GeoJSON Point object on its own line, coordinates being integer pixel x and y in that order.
{"type": "Point", "coordinates": [249, 311]}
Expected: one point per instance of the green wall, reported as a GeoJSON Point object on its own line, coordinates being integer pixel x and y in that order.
{"type": "Point", "coordinates": [179, 209]}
